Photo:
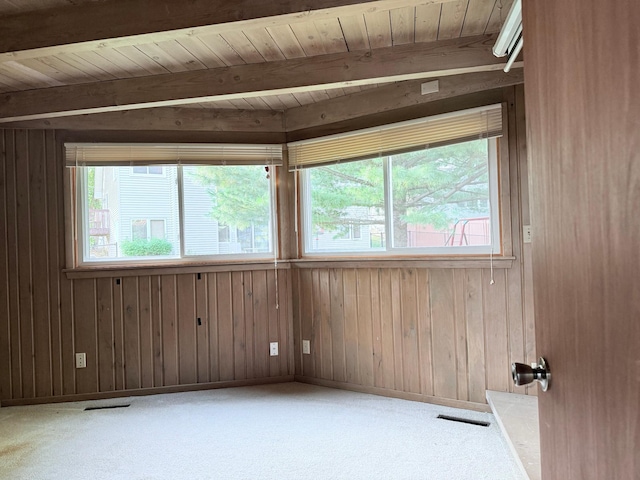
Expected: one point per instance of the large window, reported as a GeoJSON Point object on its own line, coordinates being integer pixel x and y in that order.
{"type": "Point", "coordinates": [173, 212]}
{"type": "Point", "coordinates": [383, 192]}
{"type": "Point", "coordinates": [441, 200]}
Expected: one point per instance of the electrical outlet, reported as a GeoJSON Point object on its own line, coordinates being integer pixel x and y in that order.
{"type": "Point", "coordinates": [81, 360]}
{"type": "Point", "coordinates": [526, 234]}
{"type": "Point", "coordinates": [306, 347]}
{"type": "Point", "coordinates": [273, 349]}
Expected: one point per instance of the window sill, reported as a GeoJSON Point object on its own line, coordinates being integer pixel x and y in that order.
{"type": "Point", "coordinates": [404, 262]}
{"type": "Point", "coordinates": [112, 271]}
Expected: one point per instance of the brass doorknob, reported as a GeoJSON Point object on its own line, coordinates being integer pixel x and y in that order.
{"type": "Point", "coordinates": [524, 374]}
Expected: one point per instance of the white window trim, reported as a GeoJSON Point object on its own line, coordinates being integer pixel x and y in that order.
{"type": "Point", "coordinates": [81, 243]}
{"type": "Point", "coordinates": [460, 251]}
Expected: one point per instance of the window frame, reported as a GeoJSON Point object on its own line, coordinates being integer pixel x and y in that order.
{"type": "Point", "coordinates": [78, 183]}
{"type": "Point", "coordinates": [497, 246]}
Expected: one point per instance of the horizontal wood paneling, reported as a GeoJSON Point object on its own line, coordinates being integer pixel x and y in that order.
{"type": "Point", "coordinates": [140, 331]}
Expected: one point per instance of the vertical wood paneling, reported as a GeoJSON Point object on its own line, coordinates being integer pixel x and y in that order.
{"type": "Point", "coordinates": [169, 329]}
{"type": "Point", "coordinates": [225, 348]}
{"type": "Point", "coordinates": [131, 322]}
{"type": "Point", "coordinates": [203, 330]}
{"type": "Point", "coordinates": [84, 307]}
{"type": "Point", "coordinates": [156, 318]}
{"type": "Point", "coordinates": [462, 368]}
{"type": "Point", "coordinates": [5, 315]}
{"type": "Point", "coordinates": [336, 293]}
{"type": "Point", "coordinates": [475, 335]}
{"type": "Point", "coordinates": [118, 334]}
{"type": "Point", "coordinates": [326, 325]}
{"type": "Point", "coordinates": [137, 332]}
{"type": "Point", "coordinates": [24, 263]}
{"type": "Point", "coordinates": [39, 264]}
{"type": "Point", "coordinates": [279, 363]}
{"type": "Point", "coordinates": [411, 356]}
{"type": "Point", "coordinates": [306, 315]}
{"type": "Point", "coordinates": [376, 330]}
{"type": "Point", "coordinates": [146, 332]}
{"type": "Point", "coordinates": [386, 329]}
{"type": "Point", "coordinates": [365, 336]}
{"type": "Point", "coordinates": [249, 324]}
{"type": "Point", "coordinates": [55, 254]}
{"type": "Point", "coordinates": [261, 306]}
{"type": "Point", "coordinates": [396, 315]}
{"type": "Point", "coordinates": [351, 326]}
{"type": "Point", "coordinates": [239, 340]}
{"type": "Point", "coordinates": [13, 288]}
{"type": "Point", "coordinates": [186, 328]}
{"type": "Point", "coordinates": [444, 347]}
{"type": "Point", "coordinates": [106, 338]}
{"type": "Point", "coordinates": [496, 332]}
{"type": "Point", "coordinates": [424, 332]}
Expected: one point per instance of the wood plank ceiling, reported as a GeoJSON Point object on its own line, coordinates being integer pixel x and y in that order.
{"type": "Point", "coordinates": [368, 29]}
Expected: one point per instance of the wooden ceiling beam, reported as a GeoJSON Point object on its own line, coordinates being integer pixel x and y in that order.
{"type": "Point", "coordinates": [117, 23]}
{"type": "Point", "coordinates": [404, 62]}
{"type": "Point", "coordinates": [395, 96]}
{"type": "Point", "coordinates": [166, 119]}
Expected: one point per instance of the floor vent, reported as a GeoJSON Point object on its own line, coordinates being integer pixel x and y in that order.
{"type": "Point", "coordinates": [464, 420]}
{"type": "Point", "coordinates": [106, 407]}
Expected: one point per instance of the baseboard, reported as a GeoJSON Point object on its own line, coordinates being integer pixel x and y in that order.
{"type": "Point", "coordinates": [385, 392]}
{"type": "Point", "coordinates": [145, 391]}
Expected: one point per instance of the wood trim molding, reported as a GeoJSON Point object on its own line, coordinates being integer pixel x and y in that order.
{"type": "Point", "coordinates": [170, 269]}
{"type": "Point", "coordinates": [395, 96]}
{"type": "Point", "coordinates": [118, 23]}
{"type": "Point", "coordinates": [416, 397]}
{"type": "Point", "coordinates": [403, 62]}
{"type": "Point", "coordinates": [145, 391]}
{"type": "Point", "coordinates": [167, 119]}
{"type": "Point", "coordinates": [414, 262]}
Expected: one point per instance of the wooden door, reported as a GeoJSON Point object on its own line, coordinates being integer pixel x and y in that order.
{"type": "Point", "coordinates": [582, 82]}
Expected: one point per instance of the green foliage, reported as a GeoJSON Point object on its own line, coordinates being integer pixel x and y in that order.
{"type": "Point", "coordinates": [239, 194]}
{"type": "Point", "coordinates": [94, 203]}
{"type": "Point", "coordinates": [429, 187]}
{"type": "Point", "coordinates": [143, 247]}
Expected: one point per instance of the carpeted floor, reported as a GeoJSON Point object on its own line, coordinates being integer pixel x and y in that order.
{"type": "Point", "coordinates": [285, 431]}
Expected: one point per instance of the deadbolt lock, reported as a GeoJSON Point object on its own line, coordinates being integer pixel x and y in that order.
{"type": "Point", "coordinates": [524, 374]}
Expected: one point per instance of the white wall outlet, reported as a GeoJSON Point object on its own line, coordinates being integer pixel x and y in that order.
{"type": "Point", "coordinates": [306, 347]}
{"type": "Point", "coordinates": [526, 234]}
{"type": "Point", "coordinates": [273, 349]}
{"type": "Point", "coordinates": [81, 360]}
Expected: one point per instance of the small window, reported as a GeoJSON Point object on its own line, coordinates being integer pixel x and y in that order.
{"type": "Point", "coordinates": [147, 170]}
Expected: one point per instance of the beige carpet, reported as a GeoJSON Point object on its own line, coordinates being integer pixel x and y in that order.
{"type": "Point", "coordinates": [285, 431]}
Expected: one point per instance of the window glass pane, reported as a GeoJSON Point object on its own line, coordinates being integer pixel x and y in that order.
{"type": "Point", "coordinates": [227, 210]}
{"type": "Point", "coordinates": [155, 170]}
{"type": "Point", "coordinates": [440, 196]}
{"type": "Point", "coordinates": [139, 230]}
{"type": "Point", "coordinates": [157, 228]}
{"type": "Point", "coordinates": [343, 199]}
{"type": "Point", "coordinates": [140, 219]}
{"type": "Point", "coordinates": [139, 169]}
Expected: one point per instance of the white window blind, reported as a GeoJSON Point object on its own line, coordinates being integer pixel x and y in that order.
{"type": "Point", "coordinates": [435, 131]}
{"type": "Point", "coordinates": [114, 154]}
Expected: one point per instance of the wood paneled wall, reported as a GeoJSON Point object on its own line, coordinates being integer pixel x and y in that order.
{"type": "Point", "coordinates": [138, 331]}
{"type": "Point", "coordinates": [440, 333]}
